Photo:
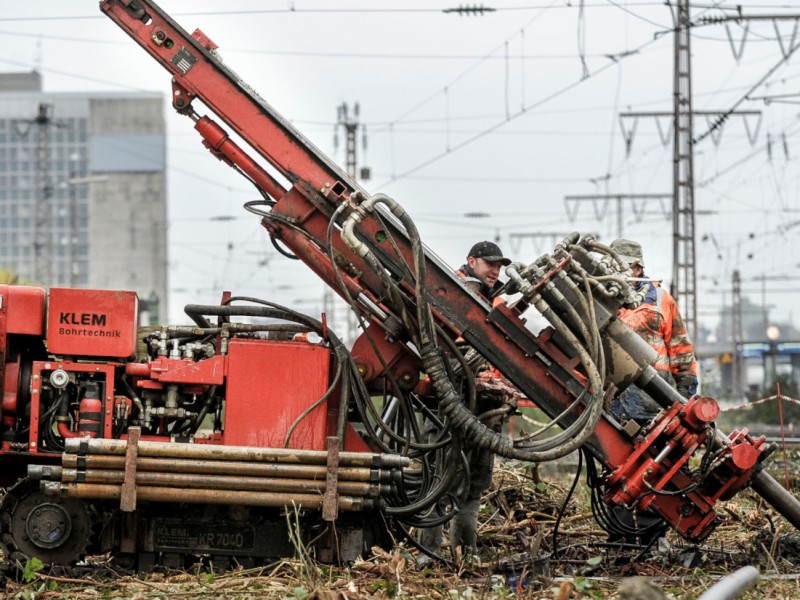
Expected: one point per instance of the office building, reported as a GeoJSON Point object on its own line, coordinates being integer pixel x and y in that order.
{"type": "Point", "coordinates": [83, 188]}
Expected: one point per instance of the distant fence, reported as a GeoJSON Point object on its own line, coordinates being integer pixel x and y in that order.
{"type": "Point", "coordinates": [749, 405]}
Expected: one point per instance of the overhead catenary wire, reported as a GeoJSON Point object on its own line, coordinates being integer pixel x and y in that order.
{"type": "Point", "coordinates": [454, 133]}
{"type": "Point", "coordinates": [450, 149]}
{"type": "Point", "coordinates": [334, 10]}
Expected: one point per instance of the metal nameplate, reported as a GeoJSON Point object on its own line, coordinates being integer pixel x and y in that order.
{"type": "Point", "coordinates": [184, 60]}
{"type": "Point", "coordinates": [182, 535]}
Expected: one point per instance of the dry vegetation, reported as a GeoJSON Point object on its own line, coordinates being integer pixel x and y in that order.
{"type": "Point", "coordinates": [517, 521]}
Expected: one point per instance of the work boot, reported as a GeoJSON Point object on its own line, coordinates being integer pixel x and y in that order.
{"type": "Point", "coordinates": [430, 538]}
{"type": "Point", "coordinates": [464, 529]}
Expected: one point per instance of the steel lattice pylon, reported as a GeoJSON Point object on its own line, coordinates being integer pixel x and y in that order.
{"type": "Point", "coordinates": [684, 275]}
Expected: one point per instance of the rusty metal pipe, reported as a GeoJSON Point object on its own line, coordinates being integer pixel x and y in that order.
{"type": "Point", "coordinates": [221, 482]}
{"type": "Point", "coordinates": [243, 453]}
{"type": "Point", "coordinates": [216, 467]}
{"type": "Point", "coordinates": [777, 496]}
{"type": "Point", "coordinates": [172, 495]}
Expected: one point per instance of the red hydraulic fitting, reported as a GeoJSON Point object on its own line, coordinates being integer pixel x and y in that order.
{"type": "Point", "coordinates": [700, 411]}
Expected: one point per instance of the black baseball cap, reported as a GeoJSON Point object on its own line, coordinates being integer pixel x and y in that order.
{"type": "Point", "coordinates": [488, 251]}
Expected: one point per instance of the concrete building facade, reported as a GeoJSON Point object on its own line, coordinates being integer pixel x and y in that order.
{"type": "Point", "coordinates": [83, 189]}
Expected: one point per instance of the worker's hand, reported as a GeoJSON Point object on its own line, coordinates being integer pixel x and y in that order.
{"type": "Point", "coordinates": [498, 389]}
{"type": "Point", "coordinates": [687, 386]}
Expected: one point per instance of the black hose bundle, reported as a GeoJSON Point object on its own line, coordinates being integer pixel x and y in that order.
{"type": "Point", "coordinates": [451, 402]}
{"type": "Point", "coordinates": [402, 435]}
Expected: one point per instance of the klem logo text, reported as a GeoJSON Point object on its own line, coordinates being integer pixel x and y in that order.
{"type": "Point", "coordinates": [71, 318]}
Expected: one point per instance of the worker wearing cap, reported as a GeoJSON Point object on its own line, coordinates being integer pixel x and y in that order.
{"type": "Point", "coordinates": [482, 269]}
{"type": "Point", "coordinates": [658, 321]}
{"type": "Point", "coordinates": [481, 272]}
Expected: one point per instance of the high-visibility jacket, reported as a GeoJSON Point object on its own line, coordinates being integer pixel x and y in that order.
{"type": "Point", "coordinates": [658, 321]}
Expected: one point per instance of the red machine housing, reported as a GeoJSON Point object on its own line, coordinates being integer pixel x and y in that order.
{"type": "Point", "coordinates": [21, 311]}
{"type": "Point", "coordinates": [92, 322]}
{"type": "Point", "coordinates": [21, 314]}
{"type": "Point", "coordinates": [264, 402]}
{"type": "Point", "coordinates": [270, 393]}
{"type": "Point", "coordinates": [247, 414]}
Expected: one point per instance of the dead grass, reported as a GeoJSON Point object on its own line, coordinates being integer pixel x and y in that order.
{"type": "Point", "coordinates": [516, 527]}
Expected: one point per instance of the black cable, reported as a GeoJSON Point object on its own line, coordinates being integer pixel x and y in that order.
{"type": "Point", "coordinates": [251, 207]}
{"type": "Point", "coordinates": [267, 199]}
{"type": "Point", "coordinates": [198, 420]}
{"type": "Point", "coordinates": [524, 442]}
{"type": "Point", "coordinates": [281, 251]}
{"type": "Point", "coordinates": [53, 441]}
{"type": "Point", "coordinates": [424, 549]}
{"type": "Point", "coordinates": [443, 439]}
{"type": "Point", "coordinates": [439, 489]}
{"type": "Point", "coordinates": [563, 509]}
{"type": "Point", "coordinates": [355, 308]}
{"type": "Point", "coordinates": [368, 335]}
{"type": "Point", "coordinates": [443, 517]}
{"type": "Point", "coordinates": [125, 384]}
{"type": "Point", "coordinates": [607, 520]}
{"type": "Point", "coordinates": [700, 475]}
{"type": "Point", "coordinates": [661, 529]}
{"type": "Point", "coordinates": [316, 404]}
{"type": "Point", "coordinates": [466, 374]}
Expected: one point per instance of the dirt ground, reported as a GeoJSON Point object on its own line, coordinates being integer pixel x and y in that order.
{"type": "Point", "coordinates": [517, 521]}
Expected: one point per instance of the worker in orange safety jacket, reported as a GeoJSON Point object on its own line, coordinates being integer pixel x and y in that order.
{"type": "Point", "coordinates": [658, 321]}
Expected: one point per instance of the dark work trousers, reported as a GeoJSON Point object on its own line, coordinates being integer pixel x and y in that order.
{"type": "Point", "coordinates": [463, 527]}
{"type": "Point", "coordinates": [635, 404]}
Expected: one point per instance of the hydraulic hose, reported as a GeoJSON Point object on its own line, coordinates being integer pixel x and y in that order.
{"type": "Point", "coordinates": [133, 396]}
{"type": "Point", "coordinates": [199, 310]}
{"type": "Point", "coordinates": [198, 420]}
{"type": "Point", "coordinates": [427, 330]}
{"type": "Point", "coordinates": [451, 402]}
{"type": "Point", "coordinates": [441, 488]}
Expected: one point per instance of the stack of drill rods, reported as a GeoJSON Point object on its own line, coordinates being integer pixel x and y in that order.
{"type": "Point", "coordinates": [220, 482]}
{"type": "Point", "coordinates": [97, 491]}
{"type": "Point", "coordinates": [220, 467]}
{"type": "Point", "coordinates": [244, 453]}
{"type": "Point", "coordinates": [199, 473]}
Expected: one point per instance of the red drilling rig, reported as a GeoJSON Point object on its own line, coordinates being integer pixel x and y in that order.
{"type": "Point", "coordinates": [256, 429]}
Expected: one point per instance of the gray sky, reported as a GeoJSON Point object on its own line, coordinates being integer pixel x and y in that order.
{"type": "Point", "coordinates": [502, 114]}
